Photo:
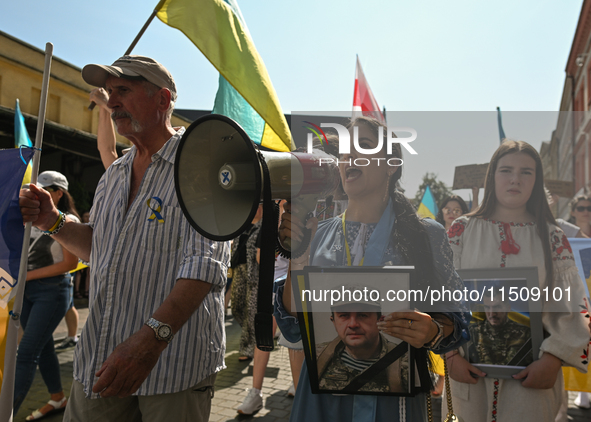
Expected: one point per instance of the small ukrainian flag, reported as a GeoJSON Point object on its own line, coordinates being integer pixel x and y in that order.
{"type": "Point", "coordinates": [428, 207]}
{"type": "Point", "coordinates": [21, 138]}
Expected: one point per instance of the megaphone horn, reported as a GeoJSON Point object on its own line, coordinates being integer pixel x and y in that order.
{"type": "Point", "coordinates": [218, 177]}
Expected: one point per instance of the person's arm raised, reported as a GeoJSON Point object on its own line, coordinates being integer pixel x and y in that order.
{"type": "Point", "coordinates": [475, 192]}
{"type": "Point", "coordinates": [37, 207]}
{"type": "Point", "coordinates": [105, 136]}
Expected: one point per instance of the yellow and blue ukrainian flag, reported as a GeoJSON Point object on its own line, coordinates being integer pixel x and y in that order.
{"type": "Point", "coordinates": [13, 164]}
{"type": "Point", "coordinates": [428, 207]}
{"type": "Point", "coordinates": [21, 137]}
{"type": "Point", "coordinates": [245, 91]}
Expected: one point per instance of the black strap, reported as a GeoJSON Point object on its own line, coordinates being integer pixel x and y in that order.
{"type": "Point", "coordinates": [263, 320]}
{"type": "Point", "coordinates": [521, 354]}
{"type": "Point", "coordinates": [422, 360]}
{"type": "Point", "coordinates": [375, 369]}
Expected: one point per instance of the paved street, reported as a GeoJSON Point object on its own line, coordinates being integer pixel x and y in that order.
{"type": "Point", "coordinates": [231, 384]}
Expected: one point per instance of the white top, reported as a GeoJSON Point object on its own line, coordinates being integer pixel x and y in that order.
{"type": "Point", "coordinates": [570, 230]}
{"type": "Point", "coordinates": [569, 334]}
{"type": "Point", "coordinates": [476, 243]}
{"type": "Point", "coordinates": [134, 264]}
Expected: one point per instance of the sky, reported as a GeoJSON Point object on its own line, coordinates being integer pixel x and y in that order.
{"type": "Point", "coordinates": [424, 56]}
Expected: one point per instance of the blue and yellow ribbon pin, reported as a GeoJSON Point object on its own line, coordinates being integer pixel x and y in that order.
{"type": "Point", "coordinates": [155, 211]}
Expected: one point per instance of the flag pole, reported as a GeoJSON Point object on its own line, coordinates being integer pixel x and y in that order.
{"type": "Point", "coordinates": [7, 392]}
{"type": "Point", "coordinates": [137, 38]}
{"type": "Point", "coordinates": [500, 123]}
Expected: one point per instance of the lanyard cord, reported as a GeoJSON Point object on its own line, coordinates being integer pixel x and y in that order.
{"type": "Point", "coordinates": [347, 243]}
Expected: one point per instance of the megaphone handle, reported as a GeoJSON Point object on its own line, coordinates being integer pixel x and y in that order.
{"type": "Point", "coordinates": [303, 247]}
{"type": "Point", "coordinates": [293, 249]}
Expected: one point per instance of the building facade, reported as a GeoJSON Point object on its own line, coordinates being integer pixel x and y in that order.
{"type": "Point", "coordinates": [573, 129]}
{"type": "Point", "coordinates": [69, 141]}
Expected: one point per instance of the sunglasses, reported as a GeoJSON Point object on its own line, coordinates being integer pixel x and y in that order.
{"type": "Point", "coordinates": [51, 188]}
{"type": "Point", "coordinates": [455, 211]}
{"type": "Point", "coordinates": [581, 209]}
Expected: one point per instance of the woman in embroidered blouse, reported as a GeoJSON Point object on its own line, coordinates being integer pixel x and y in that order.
{"type": "Point", "coordinates": [514, 227]}
{"type": "Point", "coordinates": [374, 202]}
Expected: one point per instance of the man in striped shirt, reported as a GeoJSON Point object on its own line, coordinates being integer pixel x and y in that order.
{"type": "Point", "coordinates": [154, 338]}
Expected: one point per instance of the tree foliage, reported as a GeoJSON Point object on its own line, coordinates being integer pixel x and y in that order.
{"type": "Point", "coordinates": [439, 189]}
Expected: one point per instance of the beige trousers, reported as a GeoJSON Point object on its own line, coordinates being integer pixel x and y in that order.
{"type": "Point", "coordinates": [193, 404]}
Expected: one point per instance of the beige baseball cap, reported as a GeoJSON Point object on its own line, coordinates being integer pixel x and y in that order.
{"type": "Point", "coordinates": [131, 66]}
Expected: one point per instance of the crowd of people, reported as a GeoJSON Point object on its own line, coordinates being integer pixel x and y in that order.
{"type": "Point", "coordinates": [154, 339]}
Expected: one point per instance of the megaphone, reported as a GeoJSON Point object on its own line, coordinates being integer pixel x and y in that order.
{"type": "Point", "coordinates": [220, 178]}
{"type": "Point", "coordinates": [218, 174]}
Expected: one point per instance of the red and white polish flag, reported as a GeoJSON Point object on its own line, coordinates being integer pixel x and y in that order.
{"type": "Point", "coordinates": [364, 103]}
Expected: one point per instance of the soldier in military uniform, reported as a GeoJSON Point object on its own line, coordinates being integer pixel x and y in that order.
{"type": "Point", "coordinates": [358, 345]}
{"type": "Point", "coordinates": [497, 339]}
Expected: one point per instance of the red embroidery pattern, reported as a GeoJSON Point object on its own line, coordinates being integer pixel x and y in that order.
{"type": "Point", "coordinates": [496, 398]}
{"type": "Point", "coordinates": [509, 246]}
{"type": "Point", "coordinates": [561, 249]}
{"type": "Point", "coordinates": [565, 244]}
{"type": "Point", "coordinates": [511, 224]}
{"type": "Point", "coordinates": [456, 230]}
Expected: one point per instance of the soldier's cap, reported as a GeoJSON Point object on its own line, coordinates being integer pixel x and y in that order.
{"type": "Point", "coordinates": [131, 66]}
{"type": "Point", "coordinates": [347, 303]}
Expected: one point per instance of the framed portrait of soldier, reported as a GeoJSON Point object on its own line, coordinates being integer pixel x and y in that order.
{"type": "Point", "coordinates": [339, 310]}
{"type": "Point", "coordinates": [582, 254]}
{"type": "Point", "coordinates": [506, 329]}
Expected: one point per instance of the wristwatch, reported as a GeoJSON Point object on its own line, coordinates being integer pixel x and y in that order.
{"type": "Point", "coordinates": [438, 337]}
{"type": "Point", "coordinates": [163, 331]}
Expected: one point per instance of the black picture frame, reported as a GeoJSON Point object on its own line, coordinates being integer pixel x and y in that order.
{"type": "Point", "coordinates": [503, 345]}
{"type": "Point", "coordinates": [396, 379]}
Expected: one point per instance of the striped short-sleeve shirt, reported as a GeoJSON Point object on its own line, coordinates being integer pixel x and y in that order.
{"type": "Point", "coordinates": [137, 256]}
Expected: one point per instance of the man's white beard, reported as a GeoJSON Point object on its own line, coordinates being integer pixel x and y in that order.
{"type": "Point", "coordinates": [135, 125]}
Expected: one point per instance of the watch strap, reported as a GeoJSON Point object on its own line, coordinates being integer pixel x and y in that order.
{"type": "Point", "coordinates": [155, 325]}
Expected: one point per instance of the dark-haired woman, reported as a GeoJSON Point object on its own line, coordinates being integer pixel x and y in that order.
{"type": "Point", "coordinates": [382, 222]}
{"type": "Point", "coordinates": [451, 208]}
{"type": "Point", "coordinates": [45, 302]}
{"type": "Point", "coordinates": [580, 211]}
{"type": "Point", "coordinates": [514, 227]}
